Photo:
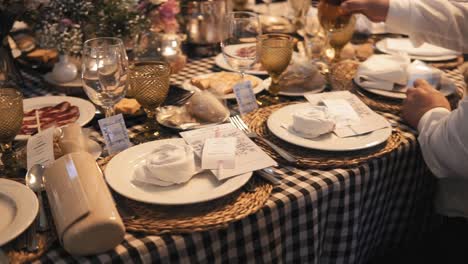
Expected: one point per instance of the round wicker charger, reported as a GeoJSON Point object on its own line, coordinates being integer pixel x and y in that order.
{"type": "Point", "coordinates": [314, 159]}
{"type": "Point", "coordinates": [157, 219]}
{"type": "Point", "coordinates": [160, 219]}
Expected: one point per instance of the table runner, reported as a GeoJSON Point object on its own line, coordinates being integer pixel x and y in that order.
{"type": "Point", "coordinates": [336, 216]}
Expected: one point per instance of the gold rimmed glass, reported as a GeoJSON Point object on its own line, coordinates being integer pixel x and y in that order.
{"type": "Point", "coordinates": [338, 25]}
{"type": "Point", "coordinates": [275, 52]}
{"type": "Point", "coordinates": [11, 118]}
{"type": "Point", "coordinates": [149, 82]}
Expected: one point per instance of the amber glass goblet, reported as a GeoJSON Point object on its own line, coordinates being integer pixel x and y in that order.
{"type": "Point", "coordinates": [149, 82]}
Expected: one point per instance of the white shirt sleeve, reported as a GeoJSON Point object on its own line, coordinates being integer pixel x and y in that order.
{"type": "Point", "coordinates": [443, 139]}
{"type": "Point", "coordinates": [440, 22]}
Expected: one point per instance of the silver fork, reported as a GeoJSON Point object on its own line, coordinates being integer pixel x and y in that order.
{"type": "Point", "coordinates": [239, 123]}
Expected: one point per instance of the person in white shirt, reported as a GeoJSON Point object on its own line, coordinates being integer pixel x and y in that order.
{"type": "Point", "coordinates": [443, 134]}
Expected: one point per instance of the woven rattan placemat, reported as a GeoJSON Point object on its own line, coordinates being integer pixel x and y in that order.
{"type": "Point", "coordinates": [314, 159]}
{"type": "Point", "coordinates": [158, 219]}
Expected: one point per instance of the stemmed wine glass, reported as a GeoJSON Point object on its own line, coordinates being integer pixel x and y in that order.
{"type": "Point", "coordinates": [11, 118]}
{"type": "Point", "coordinates": [104, 72]}
{"type": "Point", "coordinates": [149, 82]}
{"type": "Point", "coordinates": [275, 52]}
{"type": "Point", "coordinates": [239, 43]}
{"type": "Point", "coordinates": [338, 25]}
{"type": "Point", "coordinates": [299, 9]}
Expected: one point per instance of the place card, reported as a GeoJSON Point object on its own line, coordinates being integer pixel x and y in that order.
{"type": "Point", "coordinates": [115, 133]}
{"type": "Point", "coordinates": [245, 97]}
{"type": "Point", "coordinates": [349, 126]}
{"type": "Point", "coordinates": [219, 153]}
{"type": "Point", "coordinates": [40, 148]}
{"type": "Point", "coordinates": [249, 156]}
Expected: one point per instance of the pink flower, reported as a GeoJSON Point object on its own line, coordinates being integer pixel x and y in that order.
{"type": "Point", "coordinates": [66, 22]}
{"type": "Point", "coordinates": [169, 9]}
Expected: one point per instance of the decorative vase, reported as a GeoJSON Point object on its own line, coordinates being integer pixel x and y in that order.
{"type": "Point", "coordinates": [64, 70]}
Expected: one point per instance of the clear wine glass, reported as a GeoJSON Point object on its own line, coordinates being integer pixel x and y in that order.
{"type": "Point", "coordinates": [11, 118]}
{"type": "Point", "coordinates": [299, 10]}
{"type": "Point", "coordinates": [239, 43]}
{"type": "Point", "coordinates": [104, 72]}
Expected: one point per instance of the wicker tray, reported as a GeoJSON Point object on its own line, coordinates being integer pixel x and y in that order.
{"type": "Point", "coordinates": [316, 159]}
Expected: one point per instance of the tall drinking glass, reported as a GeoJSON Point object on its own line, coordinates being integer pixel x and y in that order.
{"type": "Point", "coordinates": [239, 43]}
{"type": "Point", "coordinates": [275, 52]}
{"type": "Point", "coordinates": [104, 72]}
{"type": "Point", "coordinates": [149, 82]}
{"type": "Point", "coordinates": [11, 118]}
{"type": "Point", "coordinates": [338, 25]}
{"type": "Point", "coordinates": [299, 10]}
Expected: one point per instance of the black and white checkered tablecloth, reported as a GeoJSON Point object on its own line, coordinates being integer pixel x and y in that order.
{"type": "Point", "coordinates": [336, 216]}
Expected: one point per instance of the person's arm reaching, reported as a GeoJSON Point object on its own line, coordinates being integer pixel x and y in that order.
{"type": "Point", "coordinates": [443, 134]}
{"type": "Point", "coordinates": [440, 22]}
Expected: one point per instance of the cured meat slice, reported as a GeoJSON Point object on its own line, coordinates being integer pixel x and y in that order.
{"type": "Point", "coordinates": [58, 115]}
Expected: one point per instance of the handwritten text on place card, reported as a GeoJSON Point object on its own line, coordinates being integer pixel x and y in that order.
{"type": "Point", "coordinates": [40, 148]}
{"type": "Point", "coordinates": [115, 133]}
{"type": "Point", "coordinates": [245, 97]}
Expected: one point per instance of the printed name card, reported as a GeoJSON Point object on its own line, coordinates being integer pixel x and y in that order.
{"type": "Point", "coordinates": [40, 148]}
{"type": "Point", "coordinates": [115, 133]}
{"type": "Point", "coordinates": [219, 153]}
{"type": "Point", "coordinates": [245, 97]}
{"type": "Point", "coordinates": [351, 115]}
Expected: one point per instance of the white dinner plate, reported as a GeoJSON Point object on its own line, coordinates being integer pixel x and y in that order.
{"type": "Point", "coordinates": [282, 118]}
{"type": "Point", "coordinates": [296, 91]}
{"type": "Point", "coordinates": [447, 88]}
{"type": "Point", "coordinates": [201, 188]}
{"type": "Point", "coordinates": [18, 207]}
{"type": "Point", "coordinates": [381, 46]}
{"type": "Point", "coordinates": [221, 62]}
{"type": "Point", "coordinates": [260, 87]}
{"type": "Point", "coordinates": [87, 109]}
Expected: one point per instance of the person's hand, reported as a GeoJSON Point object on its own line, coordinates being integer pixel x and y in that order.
{"type": "Point", "coordinates": [420, 99]}
{"type": "Point", "coordinates": [375, 10]}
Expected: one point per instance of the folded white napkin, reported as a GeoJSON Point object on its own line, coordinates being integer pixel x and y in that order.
{"type": "Point", "coordinates": [312, 122]}
{"type": "Point", "coordinates": [420, 70]}
{"type": "Point", "coordinates": [302, 74]}
{"type": "Point", "coordinates": [168, 164]}
{"type": "Point", "coordinates": [405, 45]}
{"type": "Point", "coordinates": [383, 72]}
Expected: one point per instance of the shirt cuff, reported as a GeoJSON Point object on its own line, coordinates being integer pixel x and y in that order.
{"type": "Point", "coordinates": [431, 115]}
{"type": "Point", "coordinates": [399, 16]}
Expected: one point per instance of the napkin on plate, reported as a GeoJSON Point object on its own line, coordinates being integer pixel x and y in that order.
{"type": "Point", "coordinates": [167, 165]}
{"type": "Point", "coordinates": [420, 70]}
{"type": "Point", "coordinates": [426, 49]}
{"type": "Point", "coordinates": [302, 74]}
{"type": "Point", "coordinates": [312, 122]}
{"type": "Point", "coordinates": [383, 72]}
